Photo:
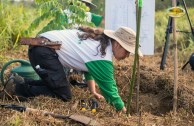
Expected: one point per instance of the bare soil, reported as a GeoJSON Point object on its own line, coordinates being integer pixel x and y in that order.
{"type": "Point", "coordinates": [155, 98]}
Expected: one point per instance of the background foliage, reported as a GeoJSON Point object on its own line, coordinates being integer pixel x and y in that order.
{"type": "Point", "coordinates": [28, 18]}
{"type": "Point", "coordinates": [163, 4]}
{"type": "Point", "coordinates": [14, 19]}
{"type": "Point", "coordinates": [51, 13]}
{"type": "Point", "coordinates": [185, 41]}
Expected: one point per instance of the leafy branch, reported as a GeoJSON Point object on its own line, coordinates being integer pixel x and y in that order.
{"type": "Point", "coordinates": [54, 17]}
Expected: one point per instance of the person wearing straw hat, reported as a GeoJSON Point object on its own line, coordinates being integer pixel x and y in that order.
{"type": "Point", "coordinates": [89, 3]}
{"type": "Point", "coordinates": [90, 17]}
{"type": "Point", "coordinates": [86, 49]}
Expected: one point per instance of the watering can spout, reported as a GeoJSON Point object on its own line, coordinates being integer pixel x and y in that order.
{"type": "Point", "coordinates": [25, 69]}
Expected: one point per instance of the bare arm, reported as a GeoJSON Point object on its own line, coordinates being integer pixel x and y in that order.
{"type": "Point", "coordinates": [92, 88]}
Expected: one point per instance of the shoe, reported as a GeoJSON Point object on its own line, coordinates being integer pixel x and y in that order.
{"type": "Point", "coordinates": [17, 79]}
{"type": "Point", "coordinates": [9, 87]}
{"type": "Point", "coordinates": [77, 83]}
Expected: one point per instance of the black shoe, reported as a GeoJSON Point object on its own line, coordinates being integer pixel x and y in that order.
{"type": "Point", "coordinates": [9, 87]}
{"type": "Point", "coordinates": [77, 83]}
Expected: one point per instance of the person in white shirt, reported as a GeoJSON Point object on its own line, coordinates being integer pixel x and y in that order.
{"type": "Point", "coordinates": [90, 17]}
{"type": "Point", "coordinates": [87, 49]}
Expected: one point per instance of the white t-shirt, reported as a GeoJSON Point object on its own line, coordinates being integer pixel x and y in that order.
{"type": "Point", "coordinates": [74, 53]}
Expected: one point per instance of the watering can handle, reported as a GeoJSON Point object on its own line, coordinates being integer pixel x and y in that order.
{"type": "Point", "coordinates": [7, 64]}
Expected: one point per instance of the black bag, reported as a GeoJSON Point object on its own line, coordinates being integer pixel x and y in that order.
{"type": "Point", "coordinates": [191, 62]}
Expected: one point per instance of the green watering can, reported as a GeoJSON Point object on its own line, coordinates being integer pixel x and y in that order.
{"type": "Point", "coordinates": [25, 70]}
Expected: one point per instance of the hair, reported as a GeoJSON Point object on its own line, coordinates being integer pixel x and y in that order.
{"type": "Point", "coordinates": [95, 34]}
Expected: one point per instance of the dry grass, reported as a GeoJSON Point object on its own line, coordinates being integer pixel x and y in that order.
{"type": "Point", "coordinates": [156, 92]}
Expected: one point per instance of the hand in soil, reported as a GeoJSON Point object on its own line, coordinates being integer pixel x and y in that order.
{"type": "Point", "coordinates": [122, 111]}
{"type": "Point", "coordinates": [98, 96]}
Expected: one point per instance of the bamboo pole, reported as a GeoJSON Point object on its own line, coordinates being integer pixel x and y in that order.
{"type": "Point", "coordinates": [175, 64]}
{"type": "Point", "coordinates": [135, 57]}
{"type": "Point", "coordinates": [138, 71]}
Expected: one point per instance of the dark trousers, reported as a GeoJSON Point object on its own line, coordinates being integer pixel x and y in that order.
{"type": "Point", "coordinates": [53, 80]}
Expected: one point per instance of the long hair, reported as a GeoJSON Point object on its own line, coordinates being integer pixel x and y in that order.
{"type": "Point", "coordinates": [95, 34]}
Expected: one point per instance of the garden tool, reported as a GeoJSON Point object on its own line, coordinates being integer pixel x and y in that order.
{"type": "Point", "coordinates": [79, 118]}
{"type": "Point", "coordinates": [83, 104]}
{"type": "Point", "coordinates": [94, 105]}
{"type": "Point", "coordinates": [91, 103]}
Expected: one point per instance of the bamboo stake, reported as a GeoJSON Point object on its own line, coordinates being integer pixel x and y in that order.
{"type": "Point", "coordinates": [138, 78]}
{"type": "Point", "coordinates": [135, 57]}
{"type": "Point", "coordinates": [175, 64]}
{"type": "Point", "coordinates": [138, 71]}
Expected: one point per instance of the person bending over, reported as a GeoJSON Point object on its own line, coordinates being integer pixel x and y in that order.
{"type": "Point", "coordinates": [86, 49]}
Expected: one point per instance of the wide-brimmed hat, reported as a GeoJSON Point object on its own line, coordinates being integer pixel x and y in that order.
{"type": "Point", "coordinates": [126, 37]}
{"type": "Point", "coordinates": [90, 3]}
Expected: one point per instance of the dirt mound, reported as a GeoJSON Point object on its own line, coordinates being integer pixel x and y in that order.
{"type": "Point", "coordinates": [156, 86]}
{"type": "Point", "coordinates": [155, 99]}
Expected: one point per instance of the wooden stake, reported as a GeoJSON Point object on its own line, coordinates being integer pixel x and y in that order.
{"type": "Point", "coordinates": [175, 63]}
{"type": "Point", "coordinates": [138, 71]}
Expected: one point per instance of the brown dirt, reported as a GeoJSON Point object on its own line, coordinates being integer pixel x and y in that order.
{"type": "Point", "coordinates": [155, 99]}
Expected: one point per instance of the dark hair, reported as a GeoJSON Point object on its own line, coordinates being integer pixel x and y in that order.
{"type": "Point", "coordinates": [96, 34]}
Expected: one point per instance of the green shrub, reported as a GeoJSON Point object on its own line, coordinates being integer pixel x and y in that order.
{"type": "Point", "coordinates": [52, 11]}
